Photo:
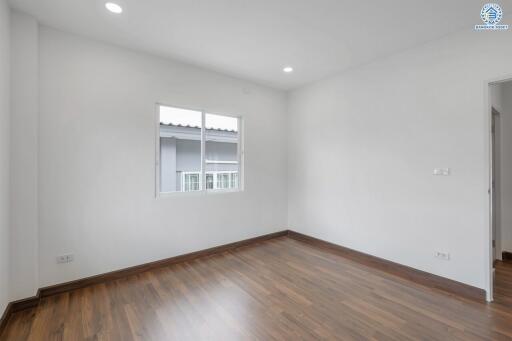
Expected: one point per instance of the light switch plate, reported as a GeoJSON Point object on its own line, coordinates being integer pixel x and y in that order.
{"type": "Point", "coordinates": [442, 255]}
{"type": "Point", "coordinates": [65, 259]}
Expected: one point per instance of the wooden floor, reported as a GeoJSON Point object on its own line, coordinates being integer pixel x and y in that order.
{"type": "Point", "coordinates": [281, 289]}
{"type": "Point", "coordinates": [503, 283]}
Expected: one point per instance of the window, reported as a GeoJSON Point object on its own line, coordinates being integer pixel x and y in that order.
{"type": "Point", "coordinates": [190, 182]}
{"type": "Point", "coordinates": [209, 181]}
{"type": "Point", "coordinates": [197, 151]}
{"type": "Point", "coordinates": [222, 180]}
{"type": "Point", "coordinates": [234, 180]}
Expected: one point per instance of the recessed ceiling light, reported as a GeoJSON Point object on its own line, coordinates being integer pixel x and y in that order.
{"type": "Point", "coordinates": [288, 69]}
{"type": "Point", "coordinates": [114, 8]}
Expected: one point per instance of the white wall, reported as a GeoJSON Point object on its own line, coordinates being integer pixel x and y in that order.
{"type": "Point", "coordinates": [496, 95]}
{"type": "Point", "coordinates": [505, 158]}
{"type": "Point", "coordinates": [363, 146]}
{"type": "Point", "coordinates": [4, 153]}
{"type": "Point", "coordinates": [97, 154]}
{"type": "Point", "coordinates": [24, 155]}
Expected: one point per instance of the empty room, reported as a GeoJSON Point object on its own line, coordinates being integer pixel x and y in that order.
{"type": "Point", "coordinates": [255, 170]}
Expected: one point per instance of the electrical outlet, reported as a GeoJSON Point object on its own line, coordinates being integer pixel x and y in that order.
{"type": "Point", "coordinates": [442, 255]}
{"type": "Point", "coordinates": [65, 259]}
{"type": "Point", "coordinates": [442, 171]}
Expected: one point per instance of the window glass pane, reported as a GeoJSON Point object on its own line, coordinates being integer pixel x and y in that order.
{"type": "Point", "coordinates": [234, 180]}
{"type": "Point", "coordinates": [180, 150]}
{"type": "Point", "coordinates": [209, 181]}
{"type": "Point", "coordinates": [194, 182]}
{"type": "Point", "coordinates": [223, 180]}
{"type": "Point", "coordinates": [221, 150]}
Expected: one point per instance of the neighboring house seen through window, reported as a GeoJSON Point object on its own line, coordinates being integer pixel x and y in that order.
{"type": "Point", "coordinates": [197, 151]}
{"type": "Point", "coordinates": [190, 181]}
{"type": "Point", "coordinates": [214, 180]}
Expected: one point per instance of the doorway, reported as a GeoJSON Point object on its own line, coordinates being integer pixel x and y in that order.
{"type": "Point", "coordinates": [500, 192]}
{"type": "Point", "coordinates": [494, 184]}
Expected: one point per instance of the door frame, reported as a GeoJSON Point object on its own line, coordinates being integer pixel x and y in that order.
{"type": "Point", "coordinates": [488, 246]}
{"type": "Point", "coordinates": [494, 182]}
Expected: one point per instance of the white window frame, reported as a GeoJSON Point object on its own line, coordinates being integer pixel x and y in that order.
{"type": "Point", "coordinates": [202, 183]}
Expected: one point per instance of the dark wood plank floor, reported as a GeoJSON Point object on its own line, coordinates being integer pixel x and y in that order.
{"type": "Point", "coordinates": [503, 283]}
{"type": "Point", "coordinates": [281, 289]}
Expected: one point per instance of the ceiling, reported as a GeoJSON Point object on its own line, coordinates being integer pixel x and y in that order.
{"type": "Point", "coordinates": [255, 39]}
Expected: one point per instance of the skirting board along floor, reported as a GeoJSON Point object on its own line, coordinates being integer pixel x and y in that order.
{"type": "Point", "coordinates": [31, 302]}
{"type": "Point", "coordinates": [278, 289]}
{"type": "Point", "coordinates": [423, 278]}
{"type": "Point", "coordinates": [418, 276]}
